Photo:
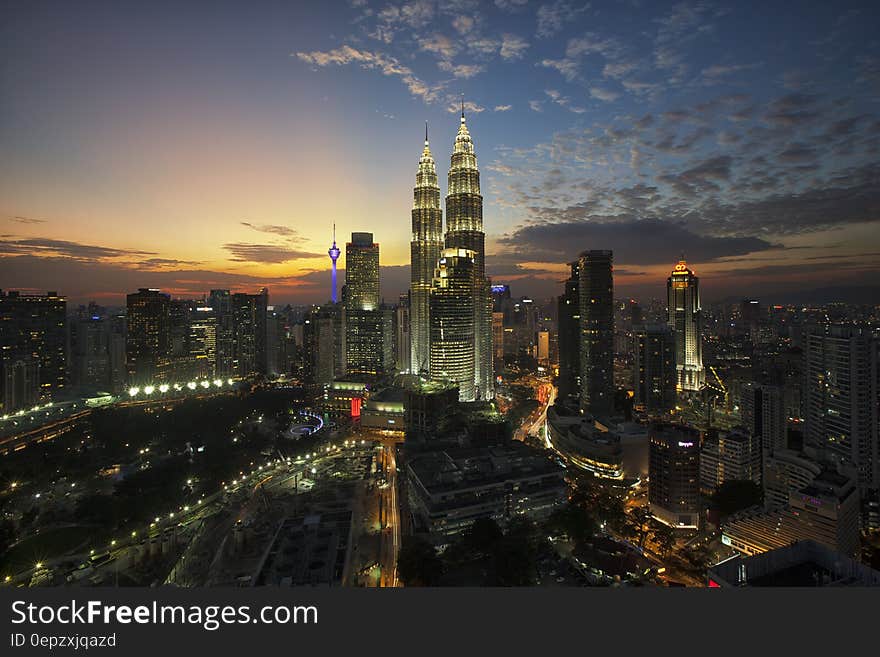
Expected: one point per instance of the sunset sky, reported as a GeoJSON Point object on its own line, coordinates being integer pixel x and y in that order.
{"type": "Point", "coordinates": [196, 145]}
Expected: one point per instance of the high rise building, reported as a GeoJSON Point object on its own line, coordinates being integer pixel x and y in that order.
{"type": "Point", "coordinates": [569, 311]}
{"type": "Point", "coordinates": [90, 349]}
{"type": "Point", "coordinates": [324, 344]}
{"type": "Point", "coordinates": [334, 253]}
{"type": "Point", "coordinates": [148, 336]}
{"type": "Point", "coordinates": [685, 317]}
{"type": "Point", "coordinates": [425, 247]}
{"type": "Point", "coordinates": [452, 321]}
{"type": "Point", "coordinates": [19, 382]}
{"type": "Point", "coordinates": [464, 230]}
{"type": "Point", "coordinates": [250, 332]}
{"type": "Point", "coordinates": [596, 291]}
{"type": "Point", "coordinates": [654, 373]}
{"type": "Point", "coordinates": [763, 414]}
{"type": "Point", "coordinates": [842, 389]}
{"type": "Point", "coordinates": [202, 340]}
{"type": "Point", "coordinates": [363, 315]}
{"type": "Point", "coordinates": [403, 326]}
{"type": "Point", "coordinates": [733, 455]}
{"type": "Point", "coordinates": [36, 326]}
{"type": "Point", "coordinates": [674, 475]}
{"type": "Point", "coordinates": [221, 303]}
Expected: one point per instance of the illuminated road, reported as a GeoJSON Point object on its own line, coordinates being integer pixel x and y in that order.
{"type": "Point", "coordinates": [390, 536]}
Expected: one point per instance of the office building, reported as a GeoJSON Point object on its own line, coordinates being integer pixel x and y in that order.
{"type": "Point", "coordinates": [363, 315]}
{"type": "Point", "coordinates": [19, 383]}
{"type": "Point", "coordinates": [449, 490]}
{"type": "Point", "coordinates": [674, 475]}
{"type": "Point", "coordinates": [685, 317]}
{"type": "Point", "coordinates": [842, 390]}
{"type": "Point", "coordinates": [725, 456]}
{"type": "Point", "coordinates": [35, 325]}
{"type": "Point", "coordinates": [763, 414]}
{"type": "Point", "coordinates": [596, 291]}
{"type": "Point", "coordinates": [452, 321]}
{"type": "Point", "coordinates": [786, 471]}
{"type": "Point", "coordinates": [425, 247]}
{"type": "Point", "coordinates": [464, 230]}
{"type": "Point", "coordinates": [569, 312]}
{"type": "Point", "coordinates": [403, 326]}
{"type": "Point", "coordinates": [221, 303]}
{"type": "Point", "coordinates": [148, 336]}
{"type": "Point", "coordinates": [250, 333]}
{"type": "Point", "coordinates": [654, 375]}
{"type": "Point", "coordinates": [826, 511]}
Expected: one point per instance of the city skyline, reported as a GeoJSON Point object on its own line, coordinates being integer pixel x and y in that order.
{"type": "Point", "coordinates": [755, 156]}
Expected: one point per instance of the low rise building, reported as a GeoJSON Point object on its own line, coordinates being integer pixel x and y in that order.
{"type": "Point", "coordinates": [448, 490]}
{"type": "Point", "coordinates": [585, 443]}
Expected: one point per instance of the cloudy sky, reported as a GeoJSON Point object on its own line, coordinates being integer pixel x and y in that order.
{"type": "Point", "coordinates": [197, 145]}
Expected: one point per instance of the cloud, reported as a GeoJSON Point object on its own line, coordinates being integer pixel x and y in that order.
{"type": "Point", "coordinates": [266, 253]}
{"type": "Point", "coordinates": [463, 71]}
{"type": "Point", "coordinates": [27, 220]}
{"type": "Point", "coordinates": [63, 248]}
{"type": "Point", "coordinates": [513, 47]}
{"type": "Point", "coordinates": [511, 5]}
{"type": "Point", "coordinates": [463, 24]}
{"type": "Point", "coordinates": [503, 108]}
{"type": "Point", "coordinates": [369, 60]}
{"type": "Point", "coordinates": [441, 45]}
{"type": "Point", "coordinates": [634, 242]}
{"type": "Point", "coordinates": [536, 106]}
{"type": "Point", "coordinates": [568, 68]}
{"type": "Point", "coordinates": [552, 17]}
{"type": "Point", "coordinates": [605, 95]}
{"type": "Point", "coordinates": [284, 231]}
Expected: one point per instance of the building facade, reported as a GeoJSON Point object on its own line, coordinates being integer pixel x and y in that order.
{"type": "Point", "coordinates": [654, 373]}
{"type": "Point", "coordinates": [685, 317]}
{"type": "Point", "coordinates": [363, 314]}
{"type": "Point", "coordinates": [674, 475]}
{"type": "Point", "coordinates": [464, 230]}
{"type": "Point", "coordinates": [596, 292]}
{"type": "Point", "coordinates": [425, 248]}
{"type": "Point", "coordinates": [452, 321]}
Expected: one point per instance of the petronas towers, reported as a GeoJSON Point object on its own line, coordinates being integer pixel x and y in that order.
{"type": "Point", "coordinates": [451, 303]}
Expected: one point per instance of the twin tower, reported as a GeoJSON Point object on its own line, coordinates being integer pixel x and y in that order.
{"type": "Point", "coordinates": [451, 301]}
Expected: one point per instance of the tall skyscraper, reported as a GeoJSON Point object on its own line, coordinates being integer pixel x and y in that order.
{"type": "Point", "coordinates": [363, 315]}
{"type": "Point", "coordinates": [403, 326]}
{"type": "Point", "coordinates": [654, 373]}
{"type": "Point", "coordinates": [221, 302]}
{"type": "Point", "coordinates": [148, 336]}
{"type": "Point", "coordinates": [596, 292]}
{"type": "Point", "coordinates": [842, 389]}
{"type": "Point", "coordinates": [35, 326]}
{"type": "Point", "coordinates": [425, 247]}
{"type": "Point", "coordinates": [763, 414]}
{"type": "Point", "coordinates": [569, 311]}
{"type": "Point", "coordinates": [249, 317]}
{"type": "Point", "coordinates": [464, 230]}
{"type": "Point", "coordinates": [333, 252]}
{"type": "Point", "coordinates": [452, 321]}
{"type": "Point", "coordinates": [685, 317]}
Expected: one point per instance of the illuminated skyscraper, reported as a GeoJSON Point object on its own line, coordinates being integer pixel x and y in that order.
{"type": "Point", "coordinates": [464, 230]}
{"type": "Point", "coordinates": [425, 247]}
{"type": "Point", "coordinates": [452, 321]}
{"type": "Point", "coordinates": [686, 319]}
{"type": "Point", "coordinates": [148, 340]}
{"type": "Point", "coordinates": [363, 316]}
{"type": "Point", "coordinates": [596, 295]}
{"type": "Point", "coordinates": [333, 252]}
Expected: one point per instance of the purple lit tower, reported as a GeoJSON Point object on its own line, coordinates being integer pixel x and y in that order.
{"type": "Point", "coordinates": [334, 252]}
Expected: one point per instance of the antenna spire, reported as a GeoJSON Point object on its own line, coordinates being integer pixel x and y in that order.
{"type": "Point", "coordinates": [334, 232]}
{"type": "Point", "coordinates": [462, 107]}
{"type": "Point", "coordinates": [426, 133]}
